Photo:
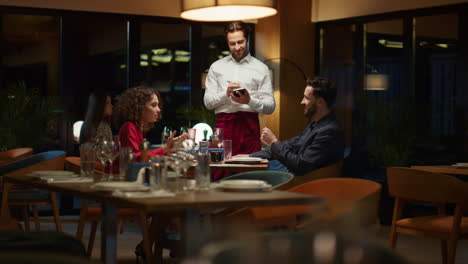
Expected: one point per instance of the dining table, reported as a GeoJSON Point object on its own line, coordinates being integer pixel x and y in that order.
{"type": "Point", "coordinates": [189, 205]}
{"type": "Point", "coordinates": [445, 169]}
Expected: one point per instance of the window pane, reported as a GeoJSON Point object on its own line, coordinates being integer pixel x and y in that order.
{"type": "Point", "coordinates": [165, 65]}
{"type": "Point", "coordinates": [29, 52]}
{"type": "Point", "coordinates": [337, 65]}
{"type": "Point", "coordinates": [437, 63]}
{"type": "Point", "coordinates": [94, 57]}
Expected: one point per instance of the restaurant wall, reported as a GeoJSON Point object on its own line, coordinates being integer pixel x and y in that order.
{"type": "Point", "coordinates": [324, 10]}
{"type": "Point", "coordinates": [288, 35]}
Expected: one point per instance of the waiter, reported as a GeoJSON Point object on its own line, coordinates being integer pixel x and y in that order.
{"type": "Point", "coordinates": [238, 87]}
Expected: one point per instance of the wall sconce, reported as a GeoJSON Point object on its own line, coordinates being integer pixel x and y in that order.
{"type": "Point", "coordinates": [227, 10]}
{"type": "Point", "coordinates": [376, 82]}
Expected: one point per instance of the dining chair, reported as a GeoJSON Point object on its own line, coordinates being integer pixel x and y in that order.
{"type": "Point", "coordinates": [18, 195]}
{"type": "Point", "coordinates": [331, 171]}
{"type": "Point", "coordinates": [410, 185]}
{"type": "Point", "coordinates": [93, 214]}
{"type": "Point", "coordinates": [14, 155]}
{"type": "Point", "coordinates": [348, 202]}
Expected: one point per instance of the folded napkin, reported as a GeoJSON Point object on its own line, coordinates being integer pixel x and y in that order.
{"type": "Point", "coordinates": [150, 194]}
{"type": "Point", "coordinates": [67, 180]}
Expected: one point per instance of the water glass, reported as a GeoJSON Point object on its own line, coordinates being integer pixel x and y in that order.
{"type": "Point", "coordinates": [88, 159]}
{"type": "Point", "coordinates": [123, 162]}
{"type": "Point", "coordinates": [218, 135]}
{"type": "Point", "coordinates": [227, 147]}
{"type": "Point", "coordinates": [203, 176]}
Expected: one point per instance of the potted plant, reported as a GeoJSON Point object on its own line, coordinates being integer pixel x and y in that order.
{"type": "Point", "coordinates": [25, 116]}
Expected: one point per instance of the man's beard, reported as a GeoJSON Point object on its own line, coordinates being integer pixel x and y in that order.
{"type": "Point", "coordinates": [309, 113]}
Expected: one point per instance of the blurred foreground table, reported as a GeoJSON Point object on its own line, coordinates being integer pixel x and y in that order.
{"type": "Point", "coordinates": [189, 204]}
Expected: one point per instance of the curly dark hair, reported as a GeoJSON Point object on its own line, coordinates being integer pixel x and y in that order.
{"type": "Point", "coordinates": [131, 103]}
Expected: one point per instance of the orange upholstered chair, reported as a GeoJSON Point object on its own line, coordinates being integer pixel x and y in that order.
{"type": "Point", "coordinates": [14, 154]}
{"type": "Point", "coordinates": [23, 196]}
{"type": "Point", "coordinates": [93, 214]}
{"type": "Point", "coordinates": [409, 185]}
{"type": "Point", "coordinates": [346, 199]}
{"type": "Point", "coordinates": [331, 171]}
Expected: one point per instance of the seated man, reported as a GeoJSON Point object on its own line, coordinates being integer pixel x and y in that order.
{"type": "Point", "coordinates": [319, 145]}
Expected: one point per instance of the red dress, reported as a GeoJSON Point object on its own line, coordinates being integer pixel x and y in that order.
{"type": "Point", "coordinates": [131, 136]}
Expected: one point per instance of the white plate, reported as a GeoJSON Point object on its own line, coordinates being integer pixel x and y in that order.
{"type": "Point", "coordinates": [53, 174]}
{"type": "Point", "coordinates": [244, 160]}
{"type": "Point", "coordinates": [244, 184]}
{"type": "Point", "coordinates": [247, 158]}
{"type": "Point", "coordinates": [57, 172]}
{"type": "Point", "coordinates": [121, 186]}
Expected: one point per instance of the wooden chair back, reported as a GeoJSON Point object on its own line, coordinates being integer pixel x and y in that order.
{"type": "Point", "coordinates": [416, 185]}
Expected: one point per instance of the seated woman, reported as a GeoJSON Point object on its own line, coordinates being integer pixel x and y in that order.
{"type": "Point", "coordinates": [97, 120]}
{"type": "Point", "coordinates": [136, 111]}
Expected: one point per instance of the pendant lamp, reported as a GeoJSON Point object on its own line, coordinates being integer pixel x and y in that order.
{"type": "Point", "coordinates": [227, 10]}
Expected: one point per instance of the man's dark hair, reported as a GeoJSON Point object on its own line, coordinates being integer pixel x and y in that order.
{"type": "Point", "coordinates": [237, 26]}
{"type": "Point", "coordinates": [323, 88]}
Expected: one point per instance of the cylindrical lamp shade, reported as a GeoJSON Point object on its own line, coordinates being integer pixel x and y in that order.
{"type": "Point", "coordinates": [376, 82]}
{"type": "Point", "coordinates": [227, 10]}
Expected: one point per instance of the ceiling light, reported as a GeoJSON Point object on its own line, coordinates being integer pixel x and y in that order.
{"type": "Point", "coordinates": [227, 10]}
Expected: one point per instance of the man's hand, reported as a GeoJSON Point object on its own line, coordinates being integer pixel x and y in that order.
{"type": "Point", "coordinates": [231, 86]}
{"type": "Point", "coordinates": [242, 99]}
{"type": "Point", "coordinates": [268, 137]}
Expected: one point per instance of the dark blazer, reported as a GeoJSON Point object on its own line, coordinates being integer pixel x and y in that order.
{"type": "Point", "coordinates": [320, 144]}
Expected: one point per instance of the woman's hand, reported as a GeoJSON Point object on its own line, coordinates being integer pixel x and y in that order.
{"type": "Point", "coordinates": [172, 140]}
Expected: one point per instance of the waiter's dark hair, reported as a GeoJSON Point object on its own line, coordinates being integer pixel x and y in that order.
{"type": "Point", "coordinates": [237, 26]}
{"type": "Point", "coordinates": [323, 88]}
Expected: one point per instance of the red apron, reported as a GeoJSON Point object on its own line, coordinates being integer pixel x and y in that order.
{"type": "Point", "coordinates": [243, 129]}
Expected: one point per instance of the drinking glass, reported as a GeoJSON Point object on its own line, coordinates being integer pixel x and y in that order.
{"type": "Point", "coordinates": [88, 159]}
{"type": "Point", "coordinates": [227, 147]}
{"type": "Point", "coordinates": [156, 181]}
{"type": "Point", "coordinates": [101, 155]}
{"type": "Point", "coordinates": [123, 162]}
{"type": "Point", "coordinates": [192, 132]}
{"type": "Point", "coordinates": [203, 176]}
{"type": "Point", "coordinates": [166, 133]}
{"type": "Point", "coordinates": [112, 153]}
{"type": "Point", "coordinates": [217, 139]}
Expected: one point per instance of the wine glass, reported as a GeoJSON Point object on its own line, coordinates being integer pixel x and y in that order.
{"type": "Point", "coordinates": [101, 153]}
{"type": "Point", "coordinates": [112, 154]}
{"type": "Point", "coordinates": [166, 133]}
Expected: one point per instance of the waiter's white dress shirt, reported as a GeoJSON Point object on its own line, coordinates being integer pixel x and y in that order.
{"type": "Point", "coordinates": [251, 73]}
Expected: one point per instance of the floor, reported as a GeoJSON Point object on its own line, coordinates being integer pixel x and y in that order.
{"type": "Point", "coordinates": [415, 249]}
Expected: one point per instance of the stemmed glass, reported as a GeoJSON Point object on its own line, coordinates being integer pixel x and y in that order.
{"type": "Point", "coordinates": [166, 133]}
{"type": "Point", "coordinates": [112, 154]}
{"type": "Point", "coordinates": [101, 153]}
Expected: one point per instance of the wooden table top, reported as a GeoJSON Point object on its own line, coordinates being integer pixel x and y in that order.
{"type": "Point", "coordinates": [445, 169]}
{"type": "Point", "coordinates": [211, 199]}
